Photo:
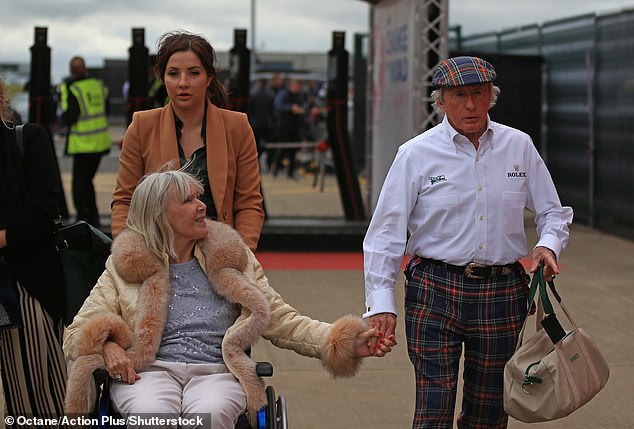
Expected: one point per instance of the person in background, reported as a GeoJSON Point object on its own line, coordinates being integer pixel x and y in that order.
{"type": "Point", "coordinates": [181, 301]}
{"type": "Point", "coordinates": [156, 88]}
{"type": "Point", "coordinates": [291, 113]}
{"type": "Point", "coordinates": [194, 129]}
{"type": "Point", "coordinates": [261, 113]}
{"type": "Point", "coordinates": [83, 101]}
{"type": "Point", "coordinates": [31, 359]}
{"type": "Point", "coordinates": [454, 201]}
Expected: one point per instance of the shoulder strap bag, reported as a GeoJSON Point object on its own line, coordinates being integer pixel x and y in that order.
{"type": "Point", "coordinates": [83, 249]}
{"type": "Point", "coordinates": [554, 372]}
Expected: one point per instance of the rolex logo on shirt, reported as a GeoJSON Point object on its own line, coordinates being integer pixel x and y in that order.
{"type": "Point", "coordinates": [516, 173]}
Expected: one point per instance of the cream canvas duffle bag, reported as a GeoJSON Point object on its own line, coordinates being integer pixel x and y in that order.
{"type": "Point", "coordinates": [553, 372]}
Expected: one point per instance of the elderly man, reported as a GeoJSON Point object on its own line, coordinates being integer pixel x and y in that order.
{"type": "Point", "coordinates": [454, 201]}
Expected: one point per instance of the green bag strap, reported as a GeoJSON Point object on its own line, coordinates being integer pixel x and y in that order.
{"type": "Point", "coordinates": [538, 284]}
{"type": "Point", "coordinates": [19, 137]}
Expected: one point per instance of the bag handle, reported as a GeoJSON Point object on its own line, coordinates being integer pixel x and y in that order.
{"type": "Point", "coordinates": [538, 284]}
{"type": "Point", "coordinates": [19, 137]}
{"type": "Point", "coordinates": [544, 305]}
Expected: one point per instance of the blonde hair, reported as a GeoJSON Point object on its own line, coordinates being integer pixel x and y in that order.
{"type": "Point", "coordinates": [147, 213]}
{"type": "Point", "coordinates": [437, 94]}
{"type": "Point", "coordinates": [6, 113]}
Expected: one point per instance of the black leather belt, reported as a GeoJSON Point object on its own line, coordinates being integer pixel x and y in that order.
{"type": "Point", "coordinates": [474, 270]}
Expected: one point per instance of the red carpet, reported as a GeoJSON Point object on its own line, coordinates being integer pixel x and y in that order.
{"type": "Point", "coordinates": [310, 261]}
{"type": "Point", "coordinates": [320, 261]}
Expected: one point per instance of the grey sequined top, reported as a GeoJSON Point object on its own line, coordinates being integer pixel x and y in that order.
{"type": "Point", "coordinates": [197, 317]}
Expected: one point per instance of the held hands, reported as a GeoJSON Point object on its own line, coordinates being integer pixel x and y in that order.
{"type": "Point", "coordinates": [380, 348]}
{"type": "Point", "coordinates": [385, 323]}
{"type": "Point", "coordinates": [118, 364]}
{"type": "Point", "coordinates": [545, 256]}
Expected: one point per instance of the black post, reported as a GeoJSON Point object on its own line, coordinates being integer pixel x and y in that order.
{"type": "Point", "coordinates": [359, 125]}
{"type": "Point", "coordinates": [41, 105]}
{"type": "Point", "coordinates": [40, 99]}
{"type": "Point", "coordinates": [138, 64]}
{"type": "Point", "coordinates": [239, 71]}
{"type": "Point", "coordinates": [338, 138]}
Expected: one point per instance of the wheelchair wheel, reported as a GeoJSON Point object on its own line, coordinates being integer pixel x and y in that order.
{"type": "Point", "coordinates": [273, 414]}
{"type": "Point", "coordinates": [282, 419]}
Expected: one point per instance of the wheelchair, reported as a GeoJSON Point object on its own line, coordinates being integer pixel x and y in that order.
{"type": "Point", "coordinates": [271, 416]}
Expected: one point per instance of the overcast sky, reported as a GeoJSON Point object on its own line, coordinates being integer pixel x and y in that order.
{"type": "Point", "coordinates": [99, 29]}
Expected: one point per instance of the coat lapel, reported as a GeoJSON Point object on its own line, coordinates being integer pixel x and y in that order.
{"type": "Point", "coordinates": [217, 156]}
{"type": "Point", "coordinates": [168, 145]}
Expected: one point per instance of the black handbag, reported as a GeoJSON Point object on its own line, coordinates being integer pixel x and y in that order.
{"type": "Point", "coordinates": [84, 250]}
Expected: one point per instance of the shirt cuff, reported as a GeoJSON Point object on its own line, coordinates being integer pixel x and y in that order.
{"type": "Point", "coordinates": [380, 301]}
{"type": "Point", "coordinates": [550, 242]}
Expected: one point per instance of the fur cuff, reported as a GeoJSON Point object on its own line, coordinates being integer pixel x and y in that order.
{"type": "Point", "coordinates": [102, 328]}
{"type": "Point", "coordinates": [338, 356]}
{"type": "Point", "coordinates": [80, 387]}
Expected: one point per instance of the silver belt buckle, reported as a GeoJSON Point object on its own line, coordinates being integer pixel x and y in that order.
{"type": "Point", "coordinates": [468, 270]}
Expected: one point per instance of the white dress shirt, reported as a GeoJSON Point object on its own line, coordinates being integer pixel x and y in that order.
{"type": "Point", "coordinates": [443, 199]}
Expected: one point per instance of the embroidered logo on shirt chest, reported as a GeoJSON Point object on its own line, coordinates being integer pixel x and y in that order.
{"type": "Point", "coordinates": [516, 172]}
{"type": "Point", "coordinates": [435, 179]}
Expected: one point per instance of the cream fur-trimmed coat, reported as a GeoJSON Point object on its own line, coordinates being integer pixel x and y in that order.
{"type": "Point", "coordinates": [129, 303]}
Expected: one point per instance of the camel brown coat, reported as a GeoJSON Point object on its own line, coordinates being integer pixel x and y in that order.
{"type": "Point", "coordinates": [232, 165]}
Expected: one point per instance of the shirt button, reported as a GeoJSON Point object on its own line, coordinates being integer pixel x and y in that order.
{"type": "Point", "coordinates": [481, 218]}
{"type": "Point", "coordinates": [481, 246]}
{"type": "Point", "coordinates": [479, 187]}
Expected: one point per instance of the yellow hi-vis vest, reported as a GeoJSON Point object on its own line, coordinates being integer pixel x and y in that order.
{"type": "Point", "coordinates": [90, 133]}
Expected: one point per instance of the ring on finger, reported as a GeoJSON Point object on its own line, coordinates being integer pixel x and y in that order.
{"type": "Point", "coordinates": [117, 377]}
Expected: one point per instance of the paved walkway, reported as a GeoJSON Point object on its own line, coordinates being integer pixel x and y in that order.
{"type": "Point", "coordinates": [596, 284]}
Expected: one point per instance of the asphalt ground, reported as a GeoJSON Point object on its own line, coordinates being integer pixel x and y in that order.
{"type": "Point", "coordinates": [595, 283]}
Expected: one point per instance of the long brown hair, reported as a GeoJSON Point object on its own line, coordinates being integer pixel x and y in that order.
{"type": "Point", "coordinates": [180, 41]}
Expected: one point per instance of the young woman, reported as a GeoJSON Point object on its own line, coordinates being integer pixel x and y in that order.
{"type": "Point", "coordinates": [194, 128]}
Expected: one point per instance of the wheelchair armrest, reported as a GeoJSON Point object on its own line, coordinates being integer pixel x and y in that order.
{"type": "Point", "coordinates": [100, 375]}
{"type": "Point", "coordinates": [264, 369]}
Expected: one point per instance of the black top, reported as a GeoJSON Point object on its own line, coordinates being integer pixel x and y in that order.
{"type": "Point", "coordinates": [197, 165]}
{"type": "Point", "coordinates": [29, 189]}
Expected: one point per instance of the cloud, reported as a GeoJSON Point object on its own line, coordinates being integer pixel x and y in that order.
{"type": "Point", "coordinates": [99, 30]}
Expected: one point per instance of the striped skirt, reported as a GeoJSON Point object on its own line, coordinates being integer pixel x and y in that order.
{"type": "Point", "coordinates": [32, 363]}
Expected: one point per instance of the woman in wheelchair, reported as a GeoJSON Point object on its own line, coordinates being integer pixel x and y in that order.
{"type": "Point", "coordinates": [181, 301]}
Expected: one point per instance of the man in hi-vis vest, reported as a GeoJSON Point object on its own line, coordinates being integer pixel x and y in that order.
{"type": "Point", "coordinates": [84, 104]}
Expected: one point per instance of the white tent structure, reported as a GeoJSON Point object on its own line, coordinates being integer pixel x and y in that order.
{"type": "Point", "coordinates": [408, 37]}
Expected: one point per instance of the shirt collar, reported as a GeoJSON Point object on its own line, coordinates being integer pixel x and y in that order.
{"type": "Point", "coordinates": [455, 137]}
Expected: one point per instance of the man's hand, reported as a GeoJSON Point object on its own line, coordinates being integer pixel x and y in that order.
{"type": "Point", "coordinates": [385, 323]}
{"type": "Point", "coordinates": [545, 256]}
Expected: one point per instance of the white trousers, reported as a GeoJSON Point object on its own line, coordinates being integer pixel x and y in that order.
{"type": "Point", "coordinates": [169, 390]}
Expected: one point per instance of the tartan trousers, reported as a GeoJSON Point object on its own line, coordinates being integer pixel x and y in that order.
{"type": "Point", "coordinates": [443, 311]}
